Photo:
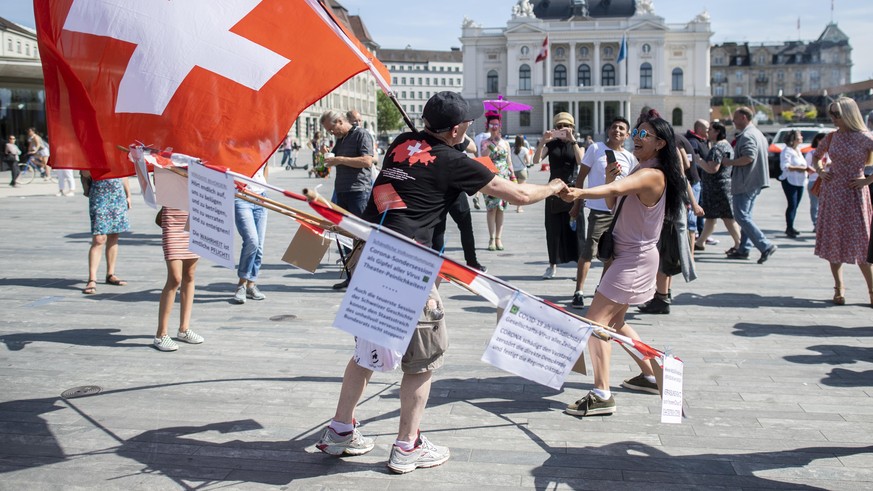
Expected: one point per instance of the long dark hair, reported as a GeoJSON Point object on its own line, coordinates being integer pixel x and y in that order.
{"type": "Point", "coordinates": [669, 164]}
{"type": "Point", "coordinates": [519, 143]}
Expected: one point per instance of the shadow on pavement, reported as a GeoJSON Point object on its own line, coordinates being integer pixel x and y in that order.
{"type": "Point", "coordinates": [747, 301]}
{"type": "Point", "coordinates": [175, 452]}
{"type": "Point", "coordinates": [53, 283]}
{"type": "Point", "coordinates": [125, 239]}
{"type": "Point", "coordinates": [753, 330]}
{"type": "Point", "coordinates": [81, 337]}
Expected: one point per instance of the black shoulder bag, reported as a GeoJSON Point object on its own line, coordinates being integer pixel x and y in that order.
{"type": "Point", "coordinates": [606, 245]}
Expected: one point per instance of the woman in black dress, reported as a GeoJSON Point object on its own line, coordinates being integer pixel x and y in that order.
{"type": "Point", "coordinates": [564, 154]}
{"type": "Point", "coordinates": [716, 182]}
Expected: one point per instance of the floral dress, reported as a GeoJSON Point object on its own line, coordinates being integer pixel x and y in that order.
{"type": "Point", "coordinates": [107, 205]}
{"type": "Point", "coordinates": [498, 151]}
{"type": "Point", "coordinates": [842, 231]}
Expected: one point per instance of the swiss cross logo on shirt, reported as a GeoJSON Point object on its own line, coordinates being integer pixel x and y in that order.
{"type": "Point", "coordinates": [413, 151]}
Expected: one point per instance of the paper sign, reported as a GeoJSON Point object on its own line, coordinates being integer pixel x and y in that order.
{"type": "Point", "coordinates": [537, 342]}
{"type": "Point", "coordinates": [171, 189]}
{"type": "Point", "coordinates": [671, 398]}
{"type": "Point", "coordinates": [210, 198]}
{"type": "Point", "coordinates": [388, 290]}
{"type": "Point", "coordinates": [142, 175]}
{"type": "Point", "coordinates": [306, 249]}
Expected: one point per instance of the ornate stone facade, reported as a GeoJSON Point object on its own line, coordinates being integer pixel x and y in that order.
{"type": "Point", "coordinates": [667, 65]}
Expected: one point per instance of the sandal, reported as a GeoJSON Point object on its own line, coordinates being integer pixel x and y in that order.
{"type": "Point", "coordinates": [498, 244]}
{"type": "Point", "coordinates": [730, 251]}
{"type": "Point", "coordinates": [90, 290]}
{"type": "Point", "coordinates": [839, 299]}
{"type": "Point", "coordinates": [111, 279]}
{"type": "Point", "coordinates": [491, 245]}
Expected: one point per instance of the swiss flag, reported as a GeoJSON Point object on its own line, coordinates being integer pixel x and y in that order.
{"type": "Point", "coordinates": [219, 80]}
{"type": "Point", "coordinates": [544, 50]}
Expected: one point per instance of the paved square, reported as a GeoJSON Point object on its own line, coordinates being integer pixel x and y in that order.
{"type": "Point", "coordinates": [777, 380]}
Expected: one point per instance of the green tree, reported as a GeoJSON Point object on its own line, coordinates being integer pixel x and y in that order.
{"type": "Point", "coordinates": [387, 115]}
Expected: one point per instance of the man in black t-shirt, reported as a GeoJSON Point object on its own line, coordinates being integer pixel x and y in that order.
{"type": "Point", "coordinates": [421, 176]}
{"type": "Point", "coordinates": [353, 158]}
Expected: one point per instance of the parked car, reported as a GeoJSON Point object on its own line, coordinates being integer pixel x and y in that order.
{"type": "Point", "coordinates": [808, 131]}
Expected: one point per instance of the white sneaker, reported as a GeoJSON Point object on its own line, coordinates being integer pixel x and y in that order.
{"type": "Point", "coordinates": [240, 295]}
{"type": "Point", "coordinates": [425, 454]}
{"type": "Point", "coordinates": [166, 343]}
{"type": "Point", "coordinates": [351, 443]}
{"type": "Point", "coordinates": [254, 293]}
{"type": "Point", "coordinates": [550, 273]}
{"type": "Point", "coordinates": [189, 337]}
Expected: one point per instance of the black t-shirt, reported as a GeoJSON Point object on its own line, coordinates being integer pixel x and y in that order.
{"type": "Point", "coordinates": [356, 143]}
{"type": "Point", "coordinates": [428, 176]}
{"type": "Point", "coordinates": [691, 174]}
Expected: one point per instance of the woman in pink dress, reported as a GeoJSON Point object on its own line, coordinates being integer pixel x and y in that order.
{"type": "Point", "coordinates": [843, 229]}
{"type": "Point", "coordinates": [656, 187]}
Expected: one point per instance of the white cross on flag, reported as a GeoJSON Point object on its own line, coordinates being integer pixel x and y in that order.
{"type": "Point", "coordinates": [544, 50]}
{"type": "Point", "coordinates": [222, 80]}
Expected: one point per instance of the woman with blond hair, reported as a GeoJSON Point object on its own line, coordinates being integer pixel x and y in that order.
{"type": "Point", "coordinates": [843, 229]}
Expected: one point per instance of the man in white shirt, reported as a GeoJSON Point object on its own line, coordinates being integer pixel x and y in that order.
{"type": "Point", "coordinates": [599, 215]}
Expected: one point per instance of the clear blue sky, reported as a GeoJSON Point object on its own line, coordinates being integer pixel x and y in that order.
{"type": "Point", "coordinates": [396, 23]}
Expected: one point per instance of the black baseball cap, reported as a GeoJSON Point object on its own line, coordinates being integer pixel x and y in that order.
{"type": "Point", "coordinates": [447, 109]}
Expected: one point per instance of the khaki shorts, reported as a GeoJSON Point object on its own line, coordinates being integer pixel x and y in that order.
{"type": "Point", "coordinates": [598, 222]}
{"type": "Point", "coordinates": [430, 339]}
{"type": "Point", "coordinates": [428, 344]}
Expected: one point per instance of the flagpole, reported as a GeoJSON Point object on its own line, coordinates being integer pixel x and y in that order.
{"type": "Point", "coordinates": [406, 119]}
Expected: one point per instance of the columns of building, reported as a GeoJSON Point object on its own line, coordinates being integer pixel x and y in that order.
{"type": "Point", "coordinates": [572, 74]}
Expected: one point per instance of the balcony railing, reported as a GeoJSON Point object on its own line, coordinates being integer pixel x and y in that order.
{"type": "Point", "coordinates": [597, 89]}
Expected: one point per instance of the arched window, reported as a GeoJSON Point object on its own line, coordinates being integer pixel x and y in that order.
{"type": "Point", "coordinates": [560, 76]}
{"type": "Point", "coordinates": [491, 82]}
{"type": "Point", "coordinates": [524, 77]}
{"type": "Point", "coordinates": [584, 75]}
{"type": "Point", "coordinates": [678, 83]}
{"type": "Point", "coordinates": [607, 76]}
{"type": "Point", "coordinates": [646, 76]}
{"type": "Point", "coordinates": [677, 117]}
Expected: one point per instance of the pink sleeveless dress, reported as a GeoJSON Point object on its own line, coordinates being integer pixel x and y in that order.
{"type": "Point", "coordinates": [631, 277]}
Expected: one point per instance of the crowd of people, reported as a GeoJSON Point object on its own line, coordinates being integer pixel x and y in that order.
{"type": "Point", "coordinates": [642, 223]}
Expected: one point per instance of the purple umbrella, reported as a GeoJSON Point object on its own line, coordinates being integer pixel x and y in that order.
{"type": "Point", "coordinates": [501, 104]}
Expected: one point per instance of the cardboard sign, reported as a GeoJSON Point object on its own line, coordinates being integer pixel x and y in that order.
{"type": "Point", "coordinates": [388, 290]}
{"type": "Point", "coordinates": [671, 393]}
{"type": "Point", "coordinates": [537, 342]}
{"type": "Point", "coordinates": [306, 249]}
{"type": "Point", "coordinates": [210, 199]}
{"type": "Point", "coordinates": [171, 189]}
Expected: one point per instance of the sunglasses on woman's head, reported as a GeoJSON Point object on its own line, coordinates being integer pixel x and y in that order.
{"type": "Point", "coordinates": [834, 114]}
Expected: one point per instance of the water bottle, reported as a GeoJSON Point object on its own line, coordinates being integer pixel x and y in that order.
{"type": "Point", "coordinates": [573, 224]}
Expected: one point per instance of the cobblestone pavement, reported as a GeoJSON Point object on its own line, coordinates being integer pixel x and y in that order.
{"type": "Point", "coordinates": [777, 380]}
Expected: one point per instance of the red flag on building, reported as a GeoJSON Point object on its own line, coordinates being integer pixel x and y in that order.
{"type": "Point", "coordinates": [544, 50]}
{"type": "Point", "coordinates": [222, 81]}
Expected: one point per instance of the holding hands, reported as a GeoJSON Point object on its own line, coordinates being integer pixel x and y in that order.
{"type": "Point", "coordinates": [571, 194]}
